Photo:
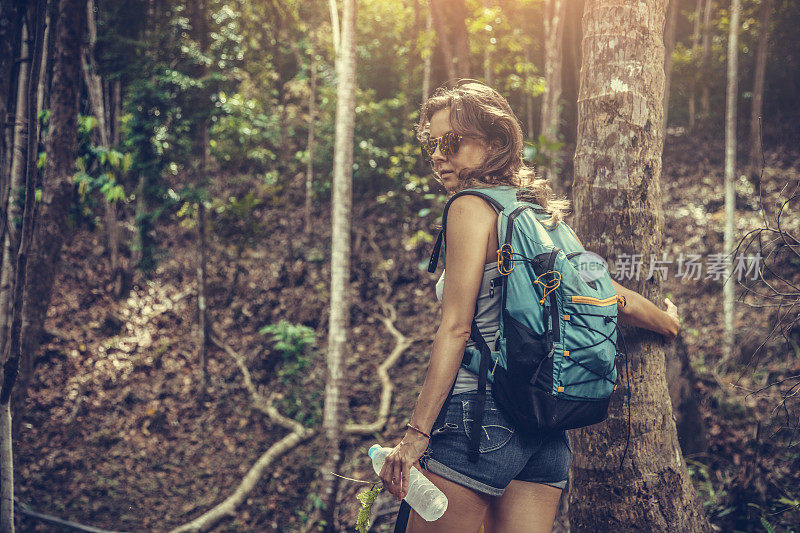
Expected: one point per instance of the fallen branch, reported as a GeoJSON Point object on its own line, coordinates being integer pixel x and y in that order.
{"type": "Point", "coordinates": [298, 434]}
{"type": "Point", "coordinates": [401, 344]}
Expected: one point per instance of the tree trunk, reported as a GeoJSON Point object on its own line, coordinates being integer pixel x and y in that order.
{"type": "Point", "coordinates": [705, 99]}
{"type": "Point", "coordinates": [617, 204]}
{"type": "Point", "coordinates": [439, 17]}
{"type": "Point", "coordinates": [12, 200]}
{"type": "Point", "coordinates": [10, 29]}
{"type": "Point", "coordinates": [340, 253]}
{"type": "Point", "coordinates": [427, 56]}
{"type": "Point", "coordinates": [460, 38]}
{"type": "Point", "coordinates": [312, 118]}
{"type": "Point", "coordinates": [100, 108]}
{"type": "Point", "coordinates": [698, 13]}
{"type": "Point", "coordinates": [730, 175]}
{"type": "Point", "coordinates": [11, 362]}
{"type": "Point", "coordinates": [554, 15]}
{"type": "Point", "coordinates": [669, 46]}
{"type": "Point", "coordinates": [758, 91]}
{"type": "Point", "coordinates": [200, 153]}
{"type": "Point", "coordinates": [336, 32]}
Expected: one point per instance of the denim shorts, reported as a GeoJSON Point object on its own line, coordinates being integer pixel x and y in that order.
{"type": "Point", "coordinates": [504, 455]}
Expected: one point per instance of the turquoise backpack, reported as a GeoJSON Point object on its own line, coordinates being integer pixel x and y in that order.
{"type": "Point", "coordinates": [552, 365]}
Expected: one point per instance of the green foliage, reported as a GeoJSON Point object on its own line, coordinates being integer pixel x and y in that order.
{"type": "Point", "coordinates": [537, 151]}
{"type": "Point", "coordinates": [367, 499]}
{"type": "Point", "coordinates": [291, 340]}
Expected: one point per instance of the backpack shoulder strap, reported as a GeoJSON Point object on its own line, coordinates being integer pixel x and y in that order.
{"type": "Point", "coordinates": [498, 197]}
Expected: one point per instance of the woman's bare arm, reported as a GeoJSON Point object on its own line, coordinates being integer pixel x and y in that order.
{"type": "Point", "coordinates": [636, 310]}
{"type": "Point", "coordinates": [470, 222]}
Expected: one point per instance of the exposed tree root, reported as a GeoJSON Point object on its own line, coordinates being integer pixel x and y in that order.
{"type": "Point", "coordinates": [299, 433]}
{"type": "Point", "coordinates": [387, 387]}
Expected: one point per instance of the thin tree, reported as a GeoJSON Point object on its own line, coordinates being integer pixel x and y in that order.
{"type": "Point", "coordinates": [698, 13]}
{"type": "Point", "coordinates": [101, 111]}
{"type": "Point", "coordinates": [200, 154]}
{"type": "Point", "coordinates": [669, 46]}
{"type": "Point", "coordinates": [730, 173]}
{"type": "Point", "coordinates": [758, 89]}
{"type": "Point", "coordinates": [340, 252]}
{"type": "Point", "coordinates": [16, 179]}
{"type": "Point", "coordinates": [705, 97]}
{"type": "Point", "coordinates": [625, 464]}
{"type": "Point", "coordinates": [11, 357]}
{"type": "Point", "coordinates": [443, 38]}
{"type": "Point", "coordinates": [312, 119]}
{"type": "Point", "coordinates": [554, 19]}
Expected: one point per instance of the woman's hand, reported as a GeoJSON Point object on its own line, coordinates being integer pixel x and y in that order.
{"type": "Point", "coordinates": [675, 321]}
{"type": "Point", "coordinates": [396, 469]}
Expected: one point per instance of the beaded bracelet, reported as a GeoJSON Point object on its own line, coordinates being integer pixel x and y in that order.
{"type": "Point", "coordinates": [415, 428]}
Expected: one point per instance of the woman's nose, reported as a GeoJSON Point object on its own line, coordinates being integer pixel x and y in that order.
{"type": "Point", "coordinates": [437, 154]}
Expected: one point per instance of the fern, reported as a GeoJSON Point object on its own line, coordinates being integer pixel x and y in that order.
{"type": "Point", "coordinates": [367, 499]}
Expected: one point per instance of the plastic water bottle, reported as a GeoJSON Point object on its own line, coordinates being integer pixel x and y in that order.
{"type": "Point", "coordinates": [422, 495]}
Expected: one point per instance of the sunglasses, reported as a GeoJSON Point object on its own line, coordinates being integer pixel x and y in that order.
{"type": "Point", "coordinates": [448, 144]}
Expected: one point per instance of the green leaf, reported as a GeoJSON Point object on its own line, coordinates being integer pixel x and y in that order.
{"type": "Point", "coordinates": [367, 499]}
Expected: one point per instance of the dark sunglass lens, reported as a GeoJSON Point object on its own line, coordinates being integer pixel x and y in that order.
{"type": "Point", "coordinates": [450, 143]}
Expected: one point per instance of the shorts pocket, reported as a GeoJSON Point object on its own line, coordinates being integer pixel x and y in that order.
{"type": "Point", "coordinates": [496, 431]}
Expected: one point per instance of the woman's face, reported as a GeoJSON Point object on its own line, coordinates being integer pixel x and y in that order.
{"type": "Point", "coordinates": [471, 152]}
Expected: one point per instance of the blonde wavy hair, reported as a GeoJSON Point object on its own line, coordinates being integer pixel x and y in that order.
{"type": "Point", "coordinates": [477, 110]}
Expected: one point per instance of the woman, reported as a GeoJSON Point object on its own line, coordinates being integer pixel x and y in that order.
{"type": "Point", "coordinates": [474, 139]}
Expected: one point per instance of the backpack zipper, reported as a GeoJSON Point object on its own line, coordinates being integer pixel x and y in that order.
{"type": "Point", "coordinates": [590, 300]}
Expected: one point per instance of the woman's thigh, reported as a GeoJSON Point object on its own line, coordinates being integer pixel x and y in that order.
{"type": "Point", "coordinates": [466, 509]}
{"type": "Point", "coordinates": [524, 507]}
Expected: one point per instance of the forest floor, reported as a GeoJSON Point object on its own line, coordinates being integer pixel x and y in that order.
{"type": "Point", "coordinates": [114, 433]}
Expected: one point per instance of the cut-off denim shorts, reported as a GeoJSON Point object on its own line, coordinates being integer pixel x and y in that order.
{"type": "Point", "coordinates": [504, 455]}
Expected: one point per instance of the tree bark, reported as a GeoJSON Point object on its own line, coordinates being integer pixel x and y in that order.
{"type": "Point", "coordinates": [758, 90]}
{"type": "Point", "coordinates": [100, 107]}
{"type": "Point", "coordinates": [10, 44]}
{"type": "Point", "coordinates": [200, 32]}
{"type": "Point", "coordinates": [705, 98]}
{"type": "Point", "coordinates": [730, 175]}
{"type": "Point", "coordinates": [698, 13]}
{"type": "Point", "coordinates": [340, 253]}
{"type": "Point", "coordinates": [669, 46]}
{"type": "Point", "coordinates": [554, 15]}
{"type": "Point", "coordinates": [617, 204]}
{"type": "Point", "coordinates": [312, 118]}
{"type": "Point", "coordinates": [15, 353]}
{"type": "Point", "coordinates": [12, 199]}
{"type": "Point", "coordinates": [427, 56]}
{"type": "Point", "coordinates": [460, 38]}
{"type": "Point", "coordinates": [438, 14]}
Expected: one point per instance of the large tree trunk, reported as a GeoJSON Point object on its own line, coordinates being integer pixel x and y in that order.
{"type": "Point", "coordinates": [554, 18]}
{"type": "Point", "coordinates": [669, 46]}
{"type": "Point", "coordinates": [340, 253]}
{"type": "Point", "coordinates": [730, 175]}
{"type": "Point", "coordinates": [617, 202]}
{"type": "Point", "coordinates": [758, 90]}
{"type": "Point", "coordinates": [11, 358]}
